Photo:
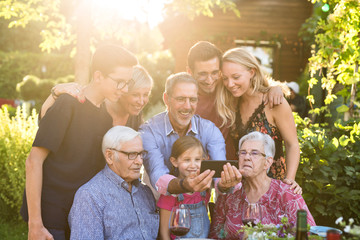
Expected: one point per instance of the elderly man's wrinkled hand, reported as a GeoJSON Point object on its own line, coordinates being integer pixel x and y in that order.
{"type": "Point", "coordinates": [294, 186]}
{"type": "Point", "coordinates": [230, 177]}
{"type": "Point", "coordinates": [199, 183]}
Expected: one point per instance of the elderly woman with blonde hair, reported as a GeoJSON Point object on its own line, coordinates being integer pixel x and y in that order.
{"type": "Point", "coordinates": [240, 103]}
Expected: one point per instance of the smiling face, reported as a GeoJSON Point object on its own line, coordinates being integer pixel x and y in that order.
{"type": "Point", "coordinates": [253, 166]}
{"type": "Point", "coordinates": [207, 74]}
{"type": "Point", "coordinates": [133, 102]}
{"type": "Point", "coordinates": [129, 170]}
{"type": "Point", "coordinates": [109, 83]}
{"type": "Point", "coordinates": [188, 162]}
{"type": "Point", "coordinates": [236, 78]}
{"type": "Point", "coordinates": [181, 105]}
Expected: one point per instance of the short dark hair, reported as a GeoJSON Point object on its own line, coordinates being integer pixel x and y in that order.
{"type": "Point", "coordinates": [202, 51]}
{"type": "Point", "coordinates": [107, 57]}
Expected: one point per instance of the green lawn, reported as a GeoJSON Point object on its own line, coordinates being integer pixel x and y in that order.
{"type": "Point", "coordinates": [13, 231]}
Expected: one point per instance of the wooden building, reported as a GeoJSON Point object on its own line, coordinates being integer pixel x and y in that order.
{"type": "Point", "coordinates": [269, 28]}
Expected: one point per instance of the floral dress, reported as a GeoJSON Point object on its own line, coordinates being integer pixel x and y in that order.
{"type": "Point", "coordinates": [278, 201]}
{"type": "Point", "coordinates": [259, 122]}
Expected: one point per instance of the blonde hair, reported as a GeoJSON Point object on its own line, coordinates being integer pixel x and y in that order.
{"type": "Point", "coordinates": [226, 103]}
{"type": "Point", "coordinates": [141, 77]}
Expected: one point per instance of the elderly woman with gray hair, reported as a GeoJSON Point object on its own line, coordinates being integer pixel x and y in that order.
{"type": "Point", "coordinates": [256, 152]}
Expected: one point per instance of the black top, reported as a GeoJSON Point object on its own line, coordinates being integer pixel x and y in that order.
{"type": "Point", "coordinates": [134, 121]}
{"type": "Point", "coordinates": [73, 133]}
{"type": "Point", "coordinates": [258, 122]}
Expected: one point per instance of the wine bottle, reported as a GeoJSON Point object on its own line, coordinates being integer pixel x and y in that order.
{"type": "Point", "coordinates": [301, 225]}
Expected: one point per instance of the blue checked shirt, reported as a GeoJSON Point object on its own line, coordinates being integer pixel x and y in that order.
{"type": "Point", "coordinates": [103, 208]}
{"type": "Point", "coordinates": [158, 137]}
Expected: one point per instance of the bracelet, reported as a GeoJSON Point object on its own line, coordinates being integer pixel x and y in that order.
{"type": "Point", "coordinates": [182, 186]}
{"type": "Point", "coordinates": [53, 94]}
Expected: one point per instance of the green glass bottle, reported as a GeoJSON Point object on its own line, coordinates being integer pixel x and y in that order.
{"type": "Point", "coordinates": [301, 225]}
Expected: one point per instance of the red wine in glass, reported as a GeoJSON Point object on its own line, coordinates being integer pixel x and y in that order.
{"type": "Point", "coordinates": [251, 213]}
{"type": "Point", "coordinates": [180, 220]}
{"type": "Point", "coordinates": [179, 231]}
{"type": "Point", "coordinates": [249, 221]}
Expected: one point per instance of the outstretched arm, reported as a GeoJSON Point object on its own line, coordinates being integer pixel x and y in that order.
{"type": "Point", "coordinates": [192, 183]}
{"type": "Point", "coordinates": [34, 175]}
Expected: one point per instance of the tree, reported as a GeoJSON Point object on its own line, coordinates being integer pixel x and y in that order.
{"type": "Point", "coordinates": [73, 23]}
{"type": "Point", "coordinates": [336, 53]}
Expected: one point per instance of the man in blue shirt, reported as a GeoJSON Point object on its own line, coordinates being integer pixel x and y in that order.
{"type": "Point", "coordinates": [114, 204]}
{"type": "Point", "coordinates": [160, 132]}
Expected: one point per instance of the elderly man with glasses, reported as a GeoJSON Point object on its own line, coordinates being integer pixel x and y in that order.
{"type": "Point", "coordinates": [114, 204]}
{"type": "Point", "coordinates": [160, 132]}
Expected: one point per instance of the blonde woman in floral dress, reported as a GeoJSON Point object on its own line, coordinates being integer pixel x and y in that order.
{"type": "Point", "coordinates": [240, 101]}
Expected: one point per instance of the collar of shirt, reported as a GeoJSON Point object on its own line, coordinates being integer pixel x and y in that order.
{"type": "Point", "coordinates": [117, 180]}
{"type": "Point", "coordinates": [169, 128]}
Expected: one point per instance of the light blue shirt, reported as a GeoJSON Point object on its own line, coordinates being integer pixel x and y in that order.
{"type": "Point", "coordinates": [103, 208]}
{"type": "Point", "coordinates": [158, 137]}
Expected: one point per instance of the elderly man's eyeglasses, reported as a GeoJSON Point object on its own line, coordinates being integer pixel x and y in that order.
{"type": "Point", "coordinates": [132, 155]}
{"type": "Point", "coordinates": [253, 154]}
{"type": "Point", "coordinates": [182, 100]}
{"type": "Point", "coordinates": [121, 83]}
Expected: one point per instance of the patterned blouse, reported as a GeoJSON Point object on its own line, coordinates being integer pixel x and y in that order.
{"type": "Point", "coordinates": [277, 201]}
{"type": "Point", "coordinates": [258, 122]}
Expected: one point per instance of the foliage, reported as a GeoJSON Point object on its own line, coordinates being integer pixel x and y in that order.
{"type": "Point", "coordinates": [20, 39]}
{"type": "Point", "coordinates": [13, 230]}
{"type": "Point", "coordinates": [336, 55]}
{"type": "Point", "coordinates": [57, 32]}
{"type": "Point", "coordinates": [329, 170]}
{"type": "Point", "coordinates": [285, 230]}
{"type": "Point", "coordinates": [36, 89]}
{"type": "Point", "coordinates": [350, 229]}
{"type": "Point", "coordinates": [59, 19]}
{"type": "Point", "coordinates": [14, 66]}
{"type": "Point", "coordinates": [16, 137]}
{"type": "Point", "coordinates": [159, 65]}
{"type": "Point", "coordinates": [194, 8]}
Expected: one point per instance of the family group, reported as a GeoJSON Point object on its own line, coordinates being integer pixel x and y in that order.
{"type": "Point", "coordinates": [83, 173]}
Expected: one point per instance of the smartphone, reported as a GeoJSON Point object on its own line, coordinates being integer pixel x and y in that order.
{"type": "Point", "coordinates": [217, 165]}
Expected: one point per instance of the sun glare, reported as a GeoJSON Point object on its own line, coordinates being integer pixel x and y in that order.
{"type": "Point", "coordinates": [142, 10]}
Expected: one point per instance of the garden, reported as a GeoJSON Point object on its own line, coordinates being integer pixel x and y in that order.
{"type": "Point", "coordinates": [329, 137]}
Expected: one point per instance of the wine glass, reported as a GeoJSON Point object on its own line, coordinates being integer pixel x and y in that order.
{"type": "Point", "coordinates": [251, 214]}
{"type": "Point", "coordinates": [180, 220]}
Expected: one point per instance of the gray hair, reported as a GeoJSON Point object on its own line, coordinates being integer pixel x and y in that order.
{"type": "Point", "coordinates": [141, 77]}
{"type": "Point", "coordinates": [176, 78]}
{"type": "Point", "coordinates": [267, 141]}
{"type": "Point", "coordinates": [116, 136]}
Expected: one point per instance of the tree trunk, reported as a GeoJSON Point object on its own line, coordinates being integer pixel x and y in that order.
{"type": "Point", "coordinates": [83, 32]}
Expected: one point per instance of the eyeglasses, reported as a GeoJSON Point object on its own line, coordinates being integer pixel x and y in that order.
{"type": "Point", "coordinates": [182, 100]}
{"type": "Point", "coordinates": [132, 155]}
{"type": "Point", "coordinates": [202, 76]}
{"type": "Point", "coordinates": [253, 154]}
{"type": "Point", "coordinates": [121, 83]}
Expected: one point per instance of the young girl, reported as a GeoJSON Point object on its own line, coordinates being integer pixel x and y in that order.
{"type": "Point", "coordinates": [186, 156]}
